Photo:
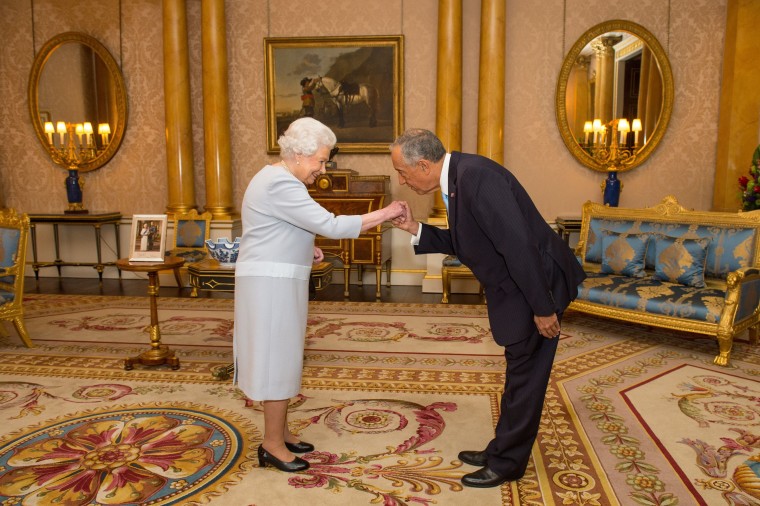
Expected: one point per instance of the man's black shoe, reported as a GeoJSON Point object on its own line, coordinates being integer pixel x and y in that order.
{"type": "Point", "coordinates": [485, 478]}
{"type": "Point", "coordinates": [474, 458]}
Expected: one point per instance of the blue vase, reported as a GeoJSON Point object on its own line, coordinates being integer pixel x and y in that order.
{"type": "Point", "coordinates": [74, 192]}
{"type": "Point", "coordinates": [611, 189]}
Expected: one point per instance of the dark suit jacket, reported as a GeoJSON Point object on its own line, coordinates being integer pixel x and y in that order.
{"type": "Point", "coordinates": [496, 230]}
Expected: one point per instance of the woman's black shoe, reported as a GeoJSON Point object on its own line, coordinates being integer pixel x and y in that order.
{"type": "Point", "coordinates": [298, 464]}
{"type": "Point", "coordinates": [300, 447]}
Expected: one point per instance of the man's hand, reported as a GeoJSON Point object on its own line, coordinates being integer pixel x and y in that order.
{"type": "Point", "coordinates": [396, 210]}
{"type": "Point", "coordinates": [406, 221]}
{"type": "Point", "coordinates": [548, 326]}
{"type": "Point", "coordinates": [318, 255]}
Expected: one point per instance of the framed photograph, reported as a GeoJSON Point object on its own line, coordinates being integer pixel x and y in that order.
{"type": "Point", "coordinates": [148, 241]}
{"type": "Point", "coordinates": [354, 85]}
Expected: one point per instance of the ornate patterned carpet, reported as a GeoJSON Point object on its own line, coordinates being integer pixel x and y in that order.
{"type": "Point", "coordinates": [391, 393]}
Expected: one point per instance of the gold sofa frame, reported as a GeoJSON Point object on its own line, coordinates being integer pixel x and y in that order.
{"type": "Point", "coordinates": [670, 211]}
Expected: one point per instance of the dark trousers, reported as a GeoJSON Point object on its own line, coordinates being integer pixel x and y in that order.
{"type": "Point", "coordinates": [529, 364]}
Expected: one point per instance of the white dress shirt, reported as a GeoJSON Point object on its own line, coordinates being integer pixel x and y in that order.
{"type": "Point", "coordinates": [444, 191]}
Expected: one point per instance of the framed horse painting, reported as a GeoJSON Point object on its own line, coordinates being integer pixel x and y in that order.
{"type": "Point", "coordinates": [354, 85]}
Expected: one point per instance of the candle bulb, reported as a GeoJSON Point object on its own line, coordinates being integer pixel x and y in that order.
{"type": "Point", "coordinates": [587, 129]}
{"type": "Point", "coordinates": [623, 128]}
{"type": "Point", "coordinates": [79, 131]}
{"type": "Point", "coordinates": [49, 130]}
{"type": "Point", "coordinates": [87, 128]}
{"type": "Point", "coordinates": [61, 129]}
{"type": "Point", "coordinates": [597, 125]}
{"type": "Point", "coordinates": [636, 127]}
{"type": "Point", "coordinates": [104, 129]}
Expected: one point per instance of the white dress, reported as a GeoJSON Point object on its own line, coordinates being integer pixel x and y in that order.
{"type": "Point", "coordinates": [280, 220]}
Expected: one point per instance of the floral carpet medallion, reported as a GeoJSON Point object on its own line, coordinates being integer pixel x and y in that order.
{"type": "Point", "coordinates": [132, 454]}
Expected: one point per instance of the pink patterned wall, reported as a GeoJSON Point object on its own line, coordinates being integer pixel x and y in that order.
{"type": "Point", "coordinates": [538, 35]}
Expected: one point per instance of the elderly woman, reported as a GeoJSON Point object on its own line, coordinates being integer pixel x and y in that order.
{"type": "Point", "coordinates": [280, 220]}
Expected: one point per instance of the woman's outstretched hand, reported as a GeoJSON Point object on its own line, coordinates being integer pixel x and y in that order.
{"type": "Point", "coordinates": [395, 210]}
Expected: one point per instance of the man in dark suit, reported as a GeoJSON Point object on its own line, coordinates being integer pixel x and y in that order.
{"type": "Point", "coordinates": [529, 275]}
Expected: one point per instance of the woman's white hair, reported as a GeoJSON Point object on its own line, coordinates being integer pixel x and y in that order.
{"type": "Point", "coordinates": [304, 137]}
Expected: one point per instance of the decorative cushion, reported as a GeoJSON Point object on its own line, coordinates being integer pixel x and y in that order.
{"type": "Point", "coordinates": [730, 249]}
{"type": "Point", "coordinates": [680, 260]}
{"type": "Point", "coordinates": [451, 261]}
{"type": "Point", "coordinates": [624, 253]}
{"type": "Point", "coordinates": [652, 296]}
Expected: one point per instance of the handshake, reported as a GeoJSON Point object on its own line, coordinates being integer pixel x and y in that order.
{"type": "Point", "coordinates": [400, 214]}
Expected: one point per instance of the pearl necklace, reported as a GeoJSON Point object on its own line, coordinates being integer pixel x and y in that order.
{"type": "Point", "coordinates": [282, 162]}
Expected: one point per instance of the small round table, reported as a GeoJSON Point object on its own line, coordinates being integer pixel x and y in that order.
{"type": "Point", "coordinates": [158, 354]}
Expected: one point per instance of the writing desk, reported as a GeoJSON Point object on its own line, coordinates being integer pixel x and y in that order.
{"type": "Point", "coordinates": [344, 191]}
{"type": "Point", "coordinates": [95, 220]}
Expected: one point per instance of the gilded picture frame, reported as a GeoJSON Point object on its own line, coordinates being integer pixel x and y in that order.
{"type": "Point", "coordinates": [148, 238]}
{"type": "Point", "coordinates": [354, 85]}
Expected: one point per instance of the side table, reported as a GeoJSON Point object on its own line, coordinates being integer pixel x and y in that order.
{"type": "Point", "coordinates": [567, 225]}
{"type": "Point", "coordinates": [212, 276]}
{"type": "Point", "coordinates": [158, 353]}
{"type": "Point", "coordinates": [93, 219]}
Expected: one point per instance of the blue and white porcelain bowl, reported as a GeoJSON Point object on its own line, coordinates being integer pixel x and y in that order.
{"type": "Point", "coordinates": [223, 251]}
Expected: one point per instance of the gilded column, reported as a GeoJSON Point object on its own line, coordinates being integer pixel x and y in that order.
{"type": "Point", "coordinates": [216, 115]}
{"type": "Point", "coordinates": [179, 134]}
{"type": "Point", "coordinates": [491, 80]}
{"type": "Point", "coordinates": [605, 77]}
{"type": "Point", "coordinates": [739, 122]}
{"type": "Point", "coordinates": [448, 105]}
{"type": "Point", "coordinates": [577, 103]}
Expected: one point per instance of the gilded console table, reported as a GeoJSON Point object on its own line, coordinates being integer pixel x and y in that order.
{"type": "Point", "coordinates": [344, 191]}
{"type": "Point", "coordinates": [95, 220]}
{"type": "Point", "coordinates": [567, 225]}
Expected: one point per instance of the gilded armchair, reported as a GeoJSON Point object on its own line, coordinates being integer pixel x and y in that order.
{"type": "Point", "coordinates": [452, 267]}
{"type": "Point", "coordinates": [14, 229]}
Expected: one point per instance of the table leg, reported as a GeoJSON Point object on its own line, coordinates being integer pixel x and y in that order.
{"type": "Point", "coordinates": [99, 266]}
{"type": "Point", "coordinates": [346, 278]}
{"type": "Point", "coordinates": [118, 243]}
{"type": "Point", "coordinates": [159, 353]}
{"type": "Point", "coordinates": [33, 230]}
{"type": "Point", "coordinates": [378, 280]}
{"type": "Point", "coordinates": [57, 249]}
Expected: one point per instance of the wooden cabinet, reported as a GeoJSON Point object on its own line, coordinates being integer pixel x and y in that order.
{"type": "Point", "coordinates": [344, 191]}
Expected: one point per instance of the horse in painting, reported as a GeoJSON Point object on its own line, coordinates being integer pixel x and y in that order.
{"type": "Point", "coordinates": [348, 95]}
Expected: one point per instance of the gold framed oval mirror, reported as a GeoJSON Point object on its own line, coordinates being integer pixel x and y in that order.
{"type": "Point", "coordinates": [77, 101]}
{"type": "Point", "coordinates": [614, 96]}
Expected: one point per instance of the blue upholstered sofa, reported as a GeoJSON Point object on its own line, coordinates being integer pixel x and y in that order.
{"type": "Point", "coordinates": [666, 266]}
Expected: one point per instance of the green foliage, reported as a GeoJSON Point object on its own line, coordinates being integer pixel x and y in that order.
{"type": "Point", "coordinates": [750, 185]}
